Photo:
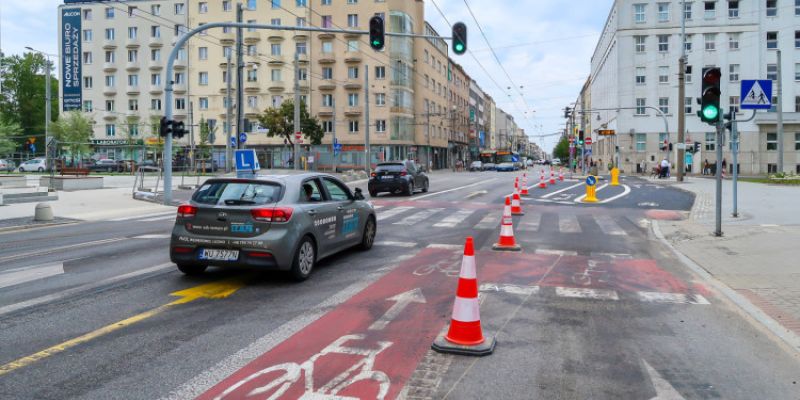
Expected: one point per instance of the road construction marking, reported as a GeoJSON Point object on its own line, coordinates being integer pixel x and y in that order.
{"type": "Point", "coordinates": [561, 190]}
{"type": "Point", "coordinates": [396, 244]}
{"type": "Point", "coordinates": [215, 290]}
{"type": "Point", "coordinates": [586, 293]}
{"type": "Point", "coordinates": [454, 189]}
{"type": "Point", "coordinates": [599, 188]}
{"type": "Point", "coordinates": [490, 221]}
{"type": "Point", "coordinates": [59, 248]}
{"type": "Point", "coordinates": [508, 288]}
{"type": "Point", "coordinates": [418, 217]}
{"type": "Point", "coordinates": [568, 223]}
{"type": "Point", "coordinates": [476, 194]}
{"type": "Point", "coordinates": [626, 191]}
{"type": "Point", "coordinates": [153, 236]}
{"type": "Point", "coordinates": [530, 222]}
{"type": "Point", "coordinates": [664, 390]}
{"type": "Point", "coordinates": [22, 275]}
{"type": "Point", "coordinates": [672, 298]}
{"type": "Point", "coordinates": [454, 219]}
{"type": "Point", "coordinates": [391, 213]}
{"type": "Point", "coordinates": [445, 246]}
{"type": "Point", "coordinates": [401, 301]}
{"type": "Point", "coordinates": [608, 226]}
{"type": "Point", "coordinates": [553, 252]}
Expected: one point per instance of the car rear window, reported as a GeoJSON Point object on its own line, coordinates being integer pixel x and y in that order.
{"type": "Point", "coordinates": [390, 167]}
{"type": "Point", "coordinates": [237, 193]}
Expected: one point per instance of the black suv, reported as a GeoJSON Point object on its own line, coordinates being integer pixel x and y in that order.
{"type": "Point", "coordinates": [398, 176]}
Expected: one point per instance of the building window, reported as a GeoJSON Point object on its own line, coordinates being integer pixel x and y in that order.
{"type": "Point", "coordinates": [687, 105]}
{"type": "Point", "coordinates": [710, 40]}
{"type": "Point", "coordinates": [733, 70]}
{"type": "Point", "coordinates": [772, 141]}
{"type": "Point", "coordinates": [275, 21]}
{"type": "Point", "coordinates": [663, 74]}
{"type": "Point", "coordinates": [797, 141]}
{"type": "Point", "coordinates": [772, 8]}
{"type": "Point", "coordinates": [202, 53]}
{"type": "Point", "coordinates": [155, 31]}
{"type": "Point", "coordinates": [640, 106]}
{"type": "Point", "coordinates": [155, 104]}
{"type": "Point", "coordinates": [327, 73]}
{"type": "Point", "coordinates": [180, 104]}
{"type": "Point", "coordinates": [772, 168]}
{"type": "Point", "coordinates": [327, 46]}
{"type": "Point", "coordinates": [301, 3]}
{"type": "Point", "coordinates": [275, 49]}
{"type": "Point", "coordinates": [300, 21]}
{"type": "Point", "coordinates": [109, 12]}
{"type": "Point", "coordinates": [110, 34]}
{"type": "Point", "coordinates": [327, 126]}
{"type": "Point", "coordinates": [133, 105]}
{"type": "Point", "coordinates": [203, 103]}
{"type": "Point", "coordinates": [352, 20]}
{"type": "Point", "coordinates": [155, 80]}
{"type": "Point", "coordinates": [711, 141]}
{"type": "Point", "coordinates": [302, 74]}
{"type": "Point", "coordinates": [733, 103]}
{"type": "Point", "coordinates": [772, 40]}
{"type": "Point", "coordinates": [87, 35]}
{"type": "Point", "coordinates": [687, 10]}
{"type": "Point", "coordinates": [733, 41]}
{"type": "Point", "coordinates": [352, 45]}
{"type": "Point", "coordinates": [202, 7]}
{"type": "Point", "coordinates": [710, 8]}
{"type": "Point", "coordinates": [797, 104]}
{"type": "Point", "coordinates": [772, 71]}
{"type": "Point", "coordinates": [380, 125]}
{"type": "Point", "coordinates": [202, 78]}
{"type": "Point", "coordinates": [109, 105]}
{"type": "Point", "coordinates": [640, 75]}
{"type": "Point", "coordinates": [797, 38]}
{"type": "Point", "coordinates": [380, 72]}
{"type": "Point", "coordinates": [663, 105]}
{"type": "Point", "coordinates": [796, 7]}
{"type": "Point", "coordinates": [327, 21]}
{"type": "Point", "coordinates": [179, 78]}
{"type": "Point", "coordinates": [87, 57]}
{"type": "Point", "coordinates": [639, 13]}
{"type": "Point", "coordinates": [276, 4]}
{"type": "Point", "coordinates": [352, 99]}
{"type": "Point", "coordinates": [688, 74]}
{"type": "Point", "coordinates": [111, 130]}
{"type": "Point", "coordinates": [326, 2]}
{"type": "Point", "coordinates": [155, 9]}
{"type": "Point", "coordinates": [327, 100]}
{"type": "Point", "coordinates": [133, 32]}
{"type": "Point", "coordinates": [640, 43]}
{"type": "Point", "coordinates": [179, 8]}
{"type": "Point", "coordinates": [663, 12]}
{"type": "Point", "coordinates": [300, 47]}
{"type": "Point", "coordinates": [87, 82]}
{"type": "Point", "coordinates": [352, 72]}
{"type": "Point", "coordinates": [133, 80]}
{"type": "Point", "coordinates": [380, 99]}
{"type": "Point", "coordinates": [353, 126]}
{"type": "Point", "coordinates": [133, 55]}
{"type": "Point", "coordinates": [276, 75]}
{"type": "Point", "coordinates": [687, 42]}
{"type": "Point", "coordinates": [87, 106]}
{"type": "Point", "coordinates": [87, 15]}
{"type": "Point", "coordinates": [733, 9]}
{"type": "Point", "coordinates": [110, 81]}
{"type": "Point", "coordinates": [641, 142]}
{"type": "Point", "coordinates": [663, 43]}
{"type": "Point", "coordinates": [252, 101]}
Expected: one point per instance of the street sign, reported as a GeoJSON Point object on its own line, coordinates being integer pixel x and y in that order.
{"type": "Point", "coordinates": [588, 141]}
{"type": "Point", "coordinates": [233, 141]}
{"type": "Point", "coordinates": [246, 160]}
{"type": "Point", "coordinates": [756, 94]}
{"type": "Point", "coordinates": [297, 135]}
{"type": "Point", "coordinates": [572, 139]}
{"type": "Point", "coordinates": [242, 137]}
{"type": "Point", "coordinates": [591, 180]}
{"type": "Point", "coordinates": [606, 132]}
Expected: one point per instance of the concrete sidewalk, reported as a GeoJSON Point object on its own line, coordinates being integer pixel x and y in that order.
{"type": "Point", "coordinates": [757, 257]}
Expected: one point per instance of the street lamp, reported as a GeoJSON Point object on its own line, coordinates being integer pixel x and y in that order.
{"type": "Point", "coordinates": [47, 110]}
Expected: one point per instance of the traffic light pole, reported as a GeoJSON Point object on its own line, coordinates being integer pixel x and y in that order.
{"type": "Point", "coordinates": [718, 219]}
{"type": "Point", "coordinates": [735, 143]}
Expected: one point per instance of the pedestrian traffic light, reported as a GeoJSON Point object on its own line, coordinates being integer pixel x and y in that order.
{"type": "Point", "coordinates": [580, 137]}
{"type": "Point", "coordinates": [696, 147]}
{"type": "Point", "coordinates": [165, 127]}
{"type": "Point", "coordinates": [459, 38]}
{"type": "Point", "coordinates": [709, 102]}
{"type": "Point", "coordinates": [178, 129]}
{"type": "Point", "coordinates": [377, 35]}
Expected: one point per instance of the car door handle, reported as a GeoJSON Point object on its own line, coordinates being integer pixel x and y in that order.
{"type": "Point", "coordinates": [340, 208]}
{"type": "Point", "coordinates": [312, 212]}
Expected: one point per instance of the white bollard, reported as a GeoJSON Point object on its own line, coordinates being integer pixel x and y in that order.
{"type": "Point", "coordinates": [43, 212]}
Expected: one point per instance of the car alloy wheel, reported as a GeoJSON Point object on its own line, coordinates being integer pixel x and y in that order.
{"type": "Point", "coordinates": [425, 186]}
{"type": "Point", "coordinates": [410, 189]}
{"type": "Point", "coordinates": [304, 260]}
{"type": "Point", "coordinates": [368, 239]}
{"type": "Point", "coordinates": [41, 169]}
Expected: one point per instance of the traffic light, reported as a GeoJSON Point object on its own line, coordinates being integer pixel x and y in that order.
{"type": "Point", "coordinates": [377, 35]}
{"type": "Point", "coordinates": [459, 38]}
{"type": "Point", "coordinates": [567, 110]}
{"type": "Point", "coordinates": [709, 102]}
{"type": "Point", "coordinates": [178, 129]}
{"type": "Point", "coordinates": [696, 147]}
{"type": "Point", "coordinates": [580, 137]}
{"type": "Point", "coordinates": [165, 127]}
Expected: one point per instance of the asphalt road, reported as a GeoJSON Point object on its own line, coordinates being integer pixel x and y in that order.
{"type": "Point", "coordinates": [593, 307]}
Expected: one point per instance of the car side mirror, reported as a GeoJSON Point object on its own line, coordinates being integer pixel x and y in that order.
{"type": "Point", "coordinates": [358, 194]}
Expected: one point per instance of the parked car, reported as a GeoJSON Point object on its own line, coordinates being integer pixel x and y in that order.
{"type": "Point", "coordinates": [33, 165]}
{"type": "Point", "coordinates": [206, 166]}
{"type": "Point", "coordinates": [476, 166]}
{"type": "Point", "coordinates": [489, 166]}
{"type": "Point", "coordinates": [556, 161]}
{"type": "Point", "coordinates": [7, 165]}
{"type": "Point", "coordinates": [105, 166]}
{"type": "Point", "coordinates": [397, 177]}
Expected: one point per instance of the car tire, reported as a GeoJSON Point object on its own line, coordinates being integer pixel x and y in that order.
{"type": "Point", "coordinates": [305, 257]}
{"type": "Point", "coordinates": [373, 193]}
{"type": "Point", "coordinates": [192, 269]}
{"type": "Point", "coordinates": [40, 169]}
{"type": "Point", "coordinates": [368, 238]}
{"type": "Point", "coordinates": [425, 186]}
{"type": "Point", "coordinates": [21, 169]}
{"type": "Point", "coordinates": [410, 189]}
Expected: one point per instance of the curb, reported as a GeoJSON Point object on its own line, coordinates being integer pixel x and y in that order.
{"type": "Point", "coordinates": [789, 337]}
{"type": "Point", "coordinates": [35, 226]}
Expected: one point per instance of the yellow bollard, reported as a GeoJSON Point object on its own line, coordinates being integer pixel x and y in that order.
{"type": "Point", "coordinates": [614, 176]}
{"type": "Point", "coordinates": [591, 190]}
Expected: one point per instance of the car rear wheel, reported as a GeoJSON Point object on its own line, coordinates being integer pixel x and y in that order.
{"type": "Point", "coordinates": [410, 189]}
{"type": "Point", "coordinates": [41, 169]}
{"type": "Point", "coordinates": [192, 269]}
{"type": "Point", "coordinates": [425, 186]}
{"type": "Point", "coordinates": [373, 193]}
{"type": "Point", "coordinates": [21, 169]}
{"type": "Point", "coordinates": [304, 260]}
{"type": "Point", "coordinates": [368, 239]}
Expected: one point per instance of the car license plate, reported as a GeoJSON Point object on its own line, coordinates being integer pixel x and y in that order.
{"type": "Point", "coordinates": [219, 255]}
{"type": "Point", "coordinates": [387, 177]}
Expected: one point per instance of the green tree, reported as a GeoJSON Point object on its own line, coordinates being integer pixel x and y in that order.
{"type": "Point", "coordinates": [74, 130]}
{"type": "Point", "coordinates": [561, 151]}
{"type": "Point", "coordinates": [130, 133]}
{"type": "Point", "coordinates": [155, 125]}
{"type": "Point", "coordinates": [7, 132]}
{"type": "Point", "coordinates": [23, 95]}
{"type": "Point", "coordinates": [280, 123]}
{"type": "Point", "coordinates": [204, 147]}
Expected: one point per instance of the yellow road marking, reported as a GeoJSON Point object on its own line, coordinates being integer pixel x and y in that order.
{"type": "Point", "coordinates": [214, 290]}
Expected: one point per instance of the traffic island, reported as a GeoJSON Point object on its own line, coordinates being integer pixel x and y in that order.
{"type": "Point", "coordinates": [72, 182]}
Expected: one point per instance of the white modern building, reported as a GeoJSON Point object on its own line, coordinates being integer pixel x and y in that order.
{"type": "Point", "coordinates": [634, 71]}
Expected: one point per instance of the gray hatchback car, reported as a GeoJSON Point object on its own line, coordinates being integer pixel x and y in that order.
{"type": "Point", "coordinates": [270, 222]}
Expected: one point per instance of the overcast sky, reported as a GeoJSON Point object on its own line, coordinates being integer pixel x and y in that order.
{"type": "Point", "coordinates": [543, 46]}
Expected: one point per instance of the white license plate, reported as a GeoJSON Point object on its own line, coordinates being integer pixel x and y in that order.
{"type": "Point", "coordinates": [387, 177]}
{"type": "Point", "coordinates": [219, 255]}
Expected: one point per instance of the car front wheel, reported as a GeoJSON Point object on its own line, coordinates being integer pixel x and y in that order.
{"type": "Point", "coordinates": [410, 189]}
{"type": "Point", "coordinates": [192, 269]}
{"type": "Point", "coordinates": [304, 260]}
{"type": "Point", "coordinates": [21, 169]}
{"type": "Point", "coordinates": [425, 186]}
{"type": "Point", "coordinates": [40, 169]}
{"type": "Point", "coordinates": [368, 239]}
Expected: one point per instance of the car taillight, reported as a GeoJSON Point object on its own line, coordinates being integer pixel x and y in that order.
{"type": "Point", "coordinates": [277, 214]}
{"type": "Point", "coordinates": [403, 173]}
{"type": "Point", "coordinates": [373, 174]}
{"type": "Point", "coordinates": [187, 211]}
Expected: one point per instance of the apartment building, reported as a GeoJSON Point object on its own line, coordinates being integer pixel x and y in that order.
{"type": "Point", "coordinates": [458, 142]}
{"type": "Point", "coordinates": [433, 129]}
{"type": "Point", "coordinates": [634, 71]}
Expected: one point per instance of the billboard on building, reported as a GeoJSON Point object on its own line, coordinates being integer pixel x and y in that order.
{"type": "Point", "coordinates": [71, 58]}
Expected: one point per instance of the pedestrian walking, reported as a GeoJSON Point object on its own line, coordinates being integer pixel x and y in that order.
{"type": "Point", "coordinates": [706, 167]}
{"type": "Point", "coordinates": [664, 168]}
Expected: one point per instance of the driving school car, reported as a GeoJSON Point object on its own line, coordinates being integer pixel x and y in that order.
{"type": "Point", "coordinates": [270, 222]}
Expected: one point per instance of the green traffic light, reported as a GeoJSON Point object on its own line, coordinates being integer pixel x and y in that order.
{"type": "Point", "coordinates": [376, 43]}
{"type": "Point", "coordinates": [459, 47]}
{"type": "Point", "coordinates": [710, 112]}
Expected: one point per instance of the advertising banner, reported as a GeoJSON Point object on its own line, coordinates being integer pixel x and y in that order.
{"type": "Point", "coordinates": [71, 58]}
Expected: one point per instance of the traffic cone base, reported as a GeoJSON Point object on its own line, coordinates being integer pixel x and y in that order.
{"type": "Point", "coordinates": [442, 345]}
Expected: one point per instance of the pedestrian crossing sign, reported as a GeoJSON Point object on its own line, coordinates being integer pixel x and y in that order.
{"type": "Point", "coordinates": [756, 94]}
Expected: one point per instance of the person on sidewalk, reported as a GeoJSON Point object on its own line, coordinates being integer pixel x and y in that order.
{"type": "Point", "coordinates": [724, 166]}
{"type": "Point", "coordinates": [664, 168]}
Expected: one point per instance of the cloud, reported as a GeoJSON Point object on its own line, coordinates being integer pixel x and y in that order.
{"type": "Point", "coordinates": [29, 23]}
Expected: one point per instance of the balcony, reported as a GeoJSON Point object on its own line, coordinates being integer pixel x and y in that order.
{"type": "Point", "coordinates": [276, 62]}
{"type": "Point", "coordinates": [277, 86]}
{"type": "Point", "coordinates": [300, 35]}
{"type": "Point", "coordinates": [353, 84]}
{"type": "Point", "coordinates": [224, 89]}
{"type": "Point", "coordinates": [109, 44]}
{"type": "Point", "coordinates": [353, 57]}
{"type": "Point", "coordinates": [110, 90]}
{"type": "Point", "coordinates": [109, 115]}
{"type": "Point", "coordinates": [303, 58]}
{"type": "Point", "coordinates": [132, 115]}
{"type": "Point", "coordinates": [156, 90]}
{"type": "Point", "coordinates": [304, 86]}
{"type": "Point", "coordinates": [227, 38]}
{"type": "Point", "coordinates": [252, 37]}
{"type": "Point", "coordinates": [179, 88]}
{"type": "Point", "coordinates": [325, 111]}
{"type": "Point", "coordinates": [326, 58]}
{"type": "Point", "coordinates": [156, 65]}
{"type": "Point", "coordinates": [251, 112]}
{"type": "Point", "coordinates": [180, 115]}
{"type": "Point", "coordinates": [109, 67]}
{"type": "Point", "coordinates": [353, 111]}
{"type": "Point", "coordinates": [327, 84]}
{"type": "Point", "coordinates": [275, 37]}
{"type": "Point", "coordinates": [251, 87]}
{"type": "Point", "coordinates": [352, 35]}
{"type": "Point", "coordinates": [180, 64]}
{"type": "Point", "coordinates": [155, 42]}
{"type": "Point", "coordinates": [132, 66]}
{"type": "Point", "coordinates": [326, 35]}
{"type": "Point", "coordinates": [132, 90]}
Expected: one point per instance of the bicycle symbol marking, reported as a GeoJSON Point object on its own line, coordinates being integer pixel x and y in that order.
{"type": "Point", "coordinates": [585, 278]}
{"type": "Point", "coordinates": [447, 267]}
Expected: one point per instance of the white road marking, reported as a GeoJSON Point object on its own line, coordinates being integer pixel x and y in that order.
{"type": "Point", "coordinates": [561, 190]}
{"type": "Point", "coordinates": [490, 221]}
{"type": "Point", "coordinates": [377, 207]}
{"type": "Point", "coordinates": [618, 256]}
{"type": "Point", "coordinates": [508, 288]}
{"type": "Point", "coordinates": [640, 222]}
{"type": "Point", "coordinates": [625, 192]}
{"type": "Point", "coordinates": [530, 222]}
{"type": "Point", "coordinates": [672, 298]}
{"type": "Point", "coordinates": [401, 301]}
{"type": "Point", "coordinates": [554, 252]}
{"type": "Point", "coordinates": [28, 274]}
{"type": "Point", "coordinates": [418, 217]}
{"type": "Point", "coordinates": [396, 244]}
{"type": "Point", "coordinates": [165, 218]}
{"type": "Point", "coordinates": [599, 188]}
{"type": "Point", "coordinates": [153, 236]}
{"type": "Point", "coordinates": [476, 194]}
{"type": "Point", "coordinates": [583, 293]}
{"type": "Point", "coordinates": [391, 213]}
{"type": "Point", "coordinates": [89, 286]}
{"type": "Point", "coordinates": [453, 190]}
{"type": "Point", "coordinates": [445, 246]}
{"type": "Point", "coordinates": [568, 223]}
{"type": "Point", "coordinates": [160, 214]}
{"type": "Point", "coordinates": [454, 219]}
{"type": "Point", "coordinates": [664, 390]}
{"type": "Point", "coordinates": [608, 226]}
{"type": "Point", "coordinates": [59, 248]}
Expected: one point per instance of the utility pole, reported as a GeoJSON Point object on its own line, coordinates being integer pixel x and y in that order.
{"type": "Point", "coordinates": [228, 122]}
{"type": "Point", "coordinates": [428, 123]}
{"type": "Point", "coordinates": [335, 155]}
{"type": "Point", "coordinates": [48, 107]}
{"type": "Point", "coordinates": [366, 118]}
{"type": "Point", "coordinates": [720, 135]}
{"type": "Point", "coordinates": [239, 77]}
{"type": "Point", "coordinates": [296, 148]}
{"type": "Point", "coordinates": [780, 114]}
{"type": "Point", "coordinates": [191, 135]}
{"type": "Point", "coordinates": [681, 145]}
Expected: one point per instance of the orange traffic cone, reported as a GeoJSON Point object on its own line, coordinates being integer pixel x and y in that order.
{"type": "Point", "coordinates": [542, 183]}
{"type": "Point", "coordinates": [524, 190]}
{"type": "Point", "coordinates": [516, 184]}
{"type": "Point", "coordinates": [507, 242]}
{"type": "Point", "coordinates": [561, 174]}
{"type": "Point", "coordinates": [516, 204]}
{"type": "Point", "coordinates": [465, 335]}
{"type": "Point", "coordinates": [552, 176]}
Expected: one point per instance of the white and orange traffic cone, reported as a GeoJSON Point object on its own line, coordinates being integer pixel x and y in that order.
{"type": "Point", "coordinates": [561, 174]}
{"type": "Point", "coordinates": [516, 204]}
{"type": "Point", "coordinates": [465, 335]}
{"type": "Point", "coordinates": [552, 176]}
{"type": "Point", "coordinates": [542, 183]}
{"type": "Point", "coordinates": [516, 185]}
{"type": "Point", "coordinates": [507, 241]}
{"type": "Point", "coordinates": [524, 191]}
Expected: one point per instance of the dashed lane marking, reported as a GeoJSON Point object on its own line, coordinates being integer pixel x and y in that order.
{"type": "Point", "coordinates": [396, 244]}
{"type": "Point", "coordinates": [419, 217]}
{"type": "Point", "coordinates": [454, 219]}
{"type": "Point", "coordinates": [568, 223]}
{"type": "Point", "coordinates": [608, 226]}
{"type": "Point", "coordinates": [672, 298]}
{"type": "Point", "coordinates": [391, 213]}
{"type": "Point", "coordinates": [586, 293]}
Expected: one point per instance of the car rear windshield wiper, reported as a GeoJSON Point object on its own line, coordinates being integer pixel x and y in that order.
{"type": "Point", "coordinates": [240, 202]}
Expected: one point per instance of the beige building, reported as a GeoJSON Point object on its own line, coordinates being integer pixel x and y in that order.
{"type": "Point", "coordinates": [459, 105]}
